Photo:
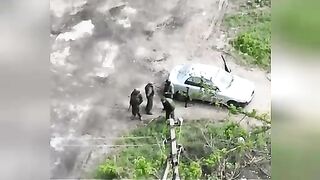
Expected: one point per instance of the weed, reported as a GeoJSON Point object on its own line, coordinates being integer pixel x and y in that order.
{"type": "Point", "coordinates": [252, 37]}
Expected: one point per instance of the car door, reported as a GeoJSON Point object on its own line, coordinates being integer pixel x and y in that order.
{"type": "Point", "coordinates": [194, 85]}
{"type": "Point", "coordinates": [210, 91]}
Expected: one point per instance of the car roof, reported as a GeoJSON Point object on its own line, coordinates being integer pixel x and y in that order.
{"type": "Point", "coordinates": [198, 70]}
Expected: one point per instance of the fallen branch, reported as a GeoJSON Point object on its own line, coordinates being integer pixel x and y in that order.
{"type": "Point", "coordinates": [255, 164]}
{"type": "Point", "coordinates": [233, 176]}
{"type": "Point", "coordinates": [242, 118]}
{"type": "Point", "coordinates": [263, 130]}
{"type": "Point", "coordinates": [209, 144]}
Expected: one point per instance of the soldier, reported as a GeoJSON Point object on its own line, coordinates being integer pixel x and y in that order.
{"type": "Point", "coordinates": [187, 98]}
{"type": "Point", "coordinates": [168, 106]}
{"type": "Point", "coordinates": [168, 89]}
{"type": "Point", "coordinates": [135, 101]}
{"type": "Point", "coordinates": [149, 95]}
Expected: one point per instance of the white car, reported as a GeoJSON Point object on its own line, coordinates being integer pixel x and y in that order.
{"type": "Point", "coordinates": [225, 87]}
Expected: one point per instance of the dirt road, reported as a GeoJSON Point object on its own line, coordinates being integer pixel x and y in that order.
{"type": "Point", "coordinates": [101, 50]}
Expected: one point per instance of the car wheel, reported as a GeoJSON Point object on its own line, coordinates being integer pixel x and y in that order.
{"type": "Point", "coordinates": [236, 104]}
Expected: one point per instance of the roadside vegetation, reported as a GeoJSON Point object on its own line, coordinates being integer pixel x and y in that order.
{"type": "Point", "coordinates": [250, 32]}
{"type": "Point", "coordinates": [212, 150]}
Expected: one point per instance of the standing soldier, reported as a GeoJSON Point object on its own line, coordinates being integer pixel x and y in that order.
{"type": "Point", "coordinates": [168, 89]}
{"type": "Point", "coordinates": [168, 106]}
{"type": "Point", "coordinates": [187, 98]}
{"type": "Point", "coordinates": [135, 101]}
{"type": "Point", "coordinates": [149, 95]}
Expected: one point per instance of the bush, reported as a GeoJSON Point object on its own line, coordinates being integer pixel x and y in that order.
{"type": "Point", "coordinates": [256, 45]}
{"type": "Point", "coordinates": [143, 168]}
{"type": "Point", "coordinates": [214, 158]}
{"type": "Point", "coordinates": [191, 171]}
{"type": "Point", "coordinates": [108, 170]}
{"type": "Point", "coordinates": [252, 35]}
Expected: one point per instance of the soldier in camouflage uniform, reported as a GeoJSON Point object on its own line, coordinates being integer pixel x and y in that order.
{"type": "Point", "coordinates": [186, 98]}
{"type": "Point", "coordinates": [168, 106]}
{"type": "Point", "coordinates": [168, 89]}
{"type": "Point", "coordinates": [149, 95]}
{"type": "Point", "coordinates": [135, 101]}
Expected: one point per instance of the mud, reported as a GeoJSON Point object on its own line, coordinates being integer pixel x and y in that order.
{"type": "Point", "coordinates": [131, 43]}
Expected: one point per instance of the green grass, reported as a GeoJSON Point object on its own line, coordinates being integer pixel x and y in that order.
{"type": "Point", "coordinates": [207, 145]}
{"type": "Point", "coordinates": [252, 38]}
{"type": "Point", "coordinates": [128, 160]}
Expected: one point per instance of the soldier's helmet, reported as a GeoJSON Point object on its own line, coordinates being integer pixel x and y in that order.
{"type": "Point", "coordinates": [136, 90]}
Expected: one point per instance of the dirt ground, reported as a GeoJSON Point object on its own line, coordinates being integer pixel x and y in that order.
{"type": "Point", "coordinates": [101, 50]}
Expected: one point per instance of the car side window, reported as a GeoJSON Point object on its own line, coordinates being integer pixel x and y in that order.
{"type": "Point", "coordinates": [210, 83]}
{"type": "Point", "coordinates": [194, 81]}
{"type": "Point", "coordinates": [207, 82]}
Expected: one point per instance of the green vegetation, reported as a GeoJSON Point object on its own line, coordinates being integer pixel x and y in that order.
{"type": "Point", "coordinates": [251, 33]}
{"type": "Point", "coordinates": [137, 162]}
{"type": "Point", "coordinates": [211, 150]}
{"type": "Point", "coordinates": [261, 3]}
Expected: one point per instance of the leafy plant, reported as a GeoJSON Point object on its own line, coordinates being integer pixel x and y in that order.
{"type": "Point", "coordinates": [215, 157]}
{"type": "Point", "coordinates": [191, 171]}
{"type": "Point", "coordinates": [142, 167]}
{"type": "Point", "coordinates": [233, 130]}
{"type": "Point", "coordinates": [251, 34]}
{"type": "Point", "coordinates": [252, 43]}
{"type": "Point", "coordinates": [108, 170]}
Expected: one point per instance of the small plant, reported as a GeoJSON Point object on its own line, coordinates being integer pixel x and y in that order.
{"type": "Point", "coordinates": [233, 130]}
{"type": "Point", "coordinates": [142, 167]}
{"type": "Point", "coordinates": [191, 171]}
{"type": "Point", "coordinates": [108, 170]}
{"type": "Point", "coordinates": [252, 44]}
{"type": "Point", "coordinates": [215, 157]}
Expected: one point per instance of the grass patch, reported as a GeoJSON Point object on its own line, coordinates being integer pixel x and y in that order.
{"type": "Point", "coordinates": [135, 162]}
{"type": "Point", "coordinates": [210, 149]}
{"type": "Point", "coordinates": [250, 31]}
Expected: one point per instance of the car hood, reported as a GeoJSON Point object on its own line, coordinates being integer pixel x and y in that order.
{"type": "Point", "coordinates": [240, 90]}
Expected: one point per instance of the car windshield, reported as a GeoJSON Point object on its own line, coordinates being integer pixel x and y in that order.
{"type": "Point", "coordinates": [223, 79]}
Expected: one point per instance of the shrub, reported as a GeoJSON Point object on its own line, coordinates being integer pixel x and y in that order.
{"type": "Point", "coordinates": [255, 43]}
{"type": "Point", "coordinates": [191, 171]}
{"type": "Point", "coordinates": [142, 167]}
{"type": "Point", "coordinates": [251, 34]}
{"type": "Point", "coordinates": [108, 170]}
